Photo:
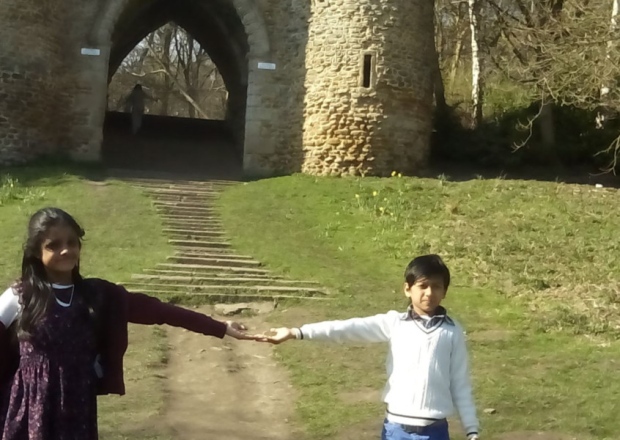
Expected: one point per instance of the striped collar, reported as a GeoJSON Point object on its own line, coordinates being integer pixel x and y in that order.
{"type": "Point", "coordinates": [429, 324]}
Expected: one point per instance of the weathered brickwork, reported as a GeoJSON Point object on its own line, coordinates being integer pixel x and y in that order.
{"type": "Point", "coordinates": [373, 128]}
{"type": "Point", "coordinates": [351, 92]}
{"type": "Point", "coordinates": [34, 103]}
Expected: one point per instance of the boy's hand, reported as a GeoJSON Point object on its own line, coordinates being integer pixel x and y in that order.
{"type": "Point", "coordinates": [237, 331]}
{"type": "Point", "coordinates": [278, 335]}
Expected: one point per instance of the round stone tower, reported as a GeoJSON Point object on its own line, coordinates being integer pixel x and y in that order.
{"type": "Point", "coordinates": [32, 91]}
{"type": "Point", "coordinates": [369, 95]}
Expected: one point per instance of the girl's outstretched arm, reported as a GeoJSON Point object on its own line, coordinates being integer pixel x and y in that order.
{"type": "Point", "coordinates": [144, 309]}
{"type": "Point", "coordinates": [238, 331]}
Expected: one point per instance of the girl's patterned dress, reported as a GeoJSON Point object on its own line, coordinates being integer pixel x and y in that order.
{"type": "Point", "coordinates": [53, 394]}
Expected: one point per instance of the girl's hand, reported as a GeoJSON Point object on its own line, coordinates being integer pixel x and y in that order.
{"type": "Point", "coordinates": [279, 335]}
{"type": "Point", "coordinates": [237, 331]}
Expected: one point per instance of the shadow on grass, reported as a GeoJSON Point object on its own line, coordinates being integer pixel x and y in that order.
{"type": "Point", "coordinates": [460, 153]}
{"type": "Point", "coordinates": [53, 171]}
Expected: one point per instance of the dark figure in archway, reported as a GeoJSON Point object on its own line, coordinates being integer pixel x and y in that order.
{"type": "Point", "coordinates": [135, 104]}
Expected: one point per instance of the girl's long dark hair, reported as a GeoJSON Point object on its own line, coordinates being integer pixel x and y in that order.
{"type": "Point", "coordinates": [35, 290]}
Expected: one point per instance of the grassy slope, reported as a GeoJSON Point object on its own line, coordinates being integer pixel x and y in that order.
{"type": "Point", "coordinates": [535, 274]}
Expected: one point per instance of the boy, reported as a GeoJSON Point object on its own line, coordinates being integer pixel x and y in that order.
{"type": "Point", "coordinates": [427, 365]}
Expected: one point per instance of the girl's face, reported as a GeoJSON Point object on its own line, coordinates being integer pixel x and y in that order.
{"type": "Point", "coordinates": [60, 251]}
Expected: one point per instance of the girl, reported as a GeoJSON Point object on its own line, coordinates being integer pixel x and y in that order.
{"type": "Point", "coordinates": [428, 374]}
{"type": "Point", "coordinates": [63, 337]}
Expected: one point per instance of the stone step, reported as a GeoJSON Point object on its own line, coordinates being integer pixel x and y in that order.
{"type": "Point", "coordinates": [202, 280]}
{"type": "Point", "coordinates": [196, 236]}
{"type": "Point", "coordinates": [181, 187]}
{"type": "Point", "coordinates": [177, 181]}
{"type": "Point", "coordinates": [214, 232]}
{"type": "Point", "coordinates": [202, 195]}
{"type": "Point", "coordinates": [169, 209]}
{"type": "Point", "coordinates": [181, 198]}
{"type": "Point", "coordinates": [196, 228]}
{"type": "Point", "coordinates": [192, 219]}
{"type": "Point", "coordinates": [188, 233]}
{"type": "Point", "coordinates": [210, 269]}
{"type": "Point", "coordinates": [193, 213]}
{"type": "Point", "coordinates": [196, 288]}
{"type": "Point", "coordinates": [228, 262]}
{"type": "Point", "coordinates": [189, 224]}
{"type": "Point", "coordinates": [213, 190]}
{"type": "Point", "coordinates": [201, 253]}
{"type": "Point", "coordinates": [186, 218]}
{"type": "Point", "coordinates": [189, 218]}
{"type": "Point", "coordinates": [220, 252]}
{"type": "Point", "coordinates": [183, 205]}
{"type": "Point", "coordinates": [199, 243]}
{"type": "Point", "coordinates": [229, 298]}
{"type": "Point", "coordinates": [197, 194]}
{"type": "Point", "coordinates": [219, 275]}
{"type": "Point", "coordinates": [166, 182]}
{"type": "Point", "coordinates": [209, 194]}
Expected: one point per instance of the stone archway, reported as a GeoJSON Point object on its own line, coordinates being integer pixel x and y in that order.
{"type": "Point", "coordinates": [114, 33]}
{"type": "Point", "coordinates": [249, 14]}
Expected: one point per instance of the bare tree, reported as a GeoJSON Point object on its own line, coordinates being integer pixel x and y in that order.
{"type": "Point", "coordinates": [167, 88]}
{"type": "Point", "coordinates": [178, 71]}
{"type": "Point", "coordinates": [461, 30]}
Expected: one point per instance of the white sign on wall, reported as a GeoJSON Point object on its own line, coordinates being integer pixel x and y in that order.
{"type": "Point", "coordinates": [267, 66]}
{"type": "Point", "coordinates": [90, 52]}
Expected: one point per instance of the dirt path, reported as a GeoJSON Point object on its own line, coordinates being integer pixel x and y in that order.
{"type": "Point", "coordinates": [227, 389]}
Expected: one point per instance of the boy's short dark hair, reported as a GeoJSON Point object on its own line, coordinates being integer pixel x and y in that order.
{"type": "Point", "coordinates": [427, 266]}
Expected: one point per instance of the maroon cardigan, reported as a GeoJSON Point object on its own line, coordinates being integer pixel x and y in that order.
{"type": "Point", "coordinates": [121, 307]}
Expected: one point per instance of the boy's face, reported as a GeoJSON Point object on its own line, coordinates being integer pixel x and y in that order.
{"type": "Point", "coordinates": [426, 294]}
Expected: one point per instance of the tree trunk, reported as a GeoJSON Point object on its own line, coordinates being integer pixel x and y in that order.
{"type": "Point", "coordinates": [181, 88]}
{"type": "Point", "coordinates": [187, 75]}
{"type": "Point", "coordinates": [438, 87]}
{"type": "Point", "coordinates": [476, 64]}
{"type": "Point", "coordinates": [166, 41]}
{"type": "Point", "coordinates": [613, 27]}
{"type": "Point", "coordinates": [547, 129]}
{"type": "Point", "coordinates": [145, 52]}
{"type": "Point", "coordinates": [456, 59]}
{"type": "Point", "coordinates": [439, 90]}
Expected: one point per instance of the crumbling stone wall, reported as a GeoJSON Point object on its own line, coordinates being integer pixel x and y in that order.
{"type": "Point", "coordinates": [34, 100]}
{"type": "Point", "coordinates": [351, 93]}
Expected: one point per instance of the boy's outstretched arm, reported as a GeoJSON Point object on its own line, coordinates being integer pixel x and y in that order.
{"type": "Point", "coordinates": [460, 386]}
{"type": "Point", "coordinates": [279, 335]}
{"type": "Point", "coordinates": [370, 329]}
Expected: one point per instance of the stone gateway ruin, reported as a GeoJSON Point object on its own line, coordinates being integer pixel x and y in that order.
{"type": "Point", "coordinates": [325, 87]}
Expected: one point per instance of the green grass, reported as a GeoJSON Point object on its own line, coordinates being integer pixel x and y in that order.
{"type": "Point", "coordinates": [535, 280]}
{"type": "Point", "coordinates": [123, 236]}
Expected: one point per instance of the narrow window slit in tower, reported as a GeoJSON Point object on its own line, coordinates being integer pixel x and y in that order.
{"type": "Point", "coordinates": [367, 71]}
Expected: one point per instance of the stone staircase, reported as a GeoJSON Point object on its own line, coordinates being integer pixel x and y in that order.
{"type": "Point", "coordinates": [204, 264]}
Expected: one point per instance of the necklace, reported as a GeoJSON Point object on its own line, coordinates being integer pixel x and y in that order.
{"type": "Point", "coordinates": [62, 303]}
